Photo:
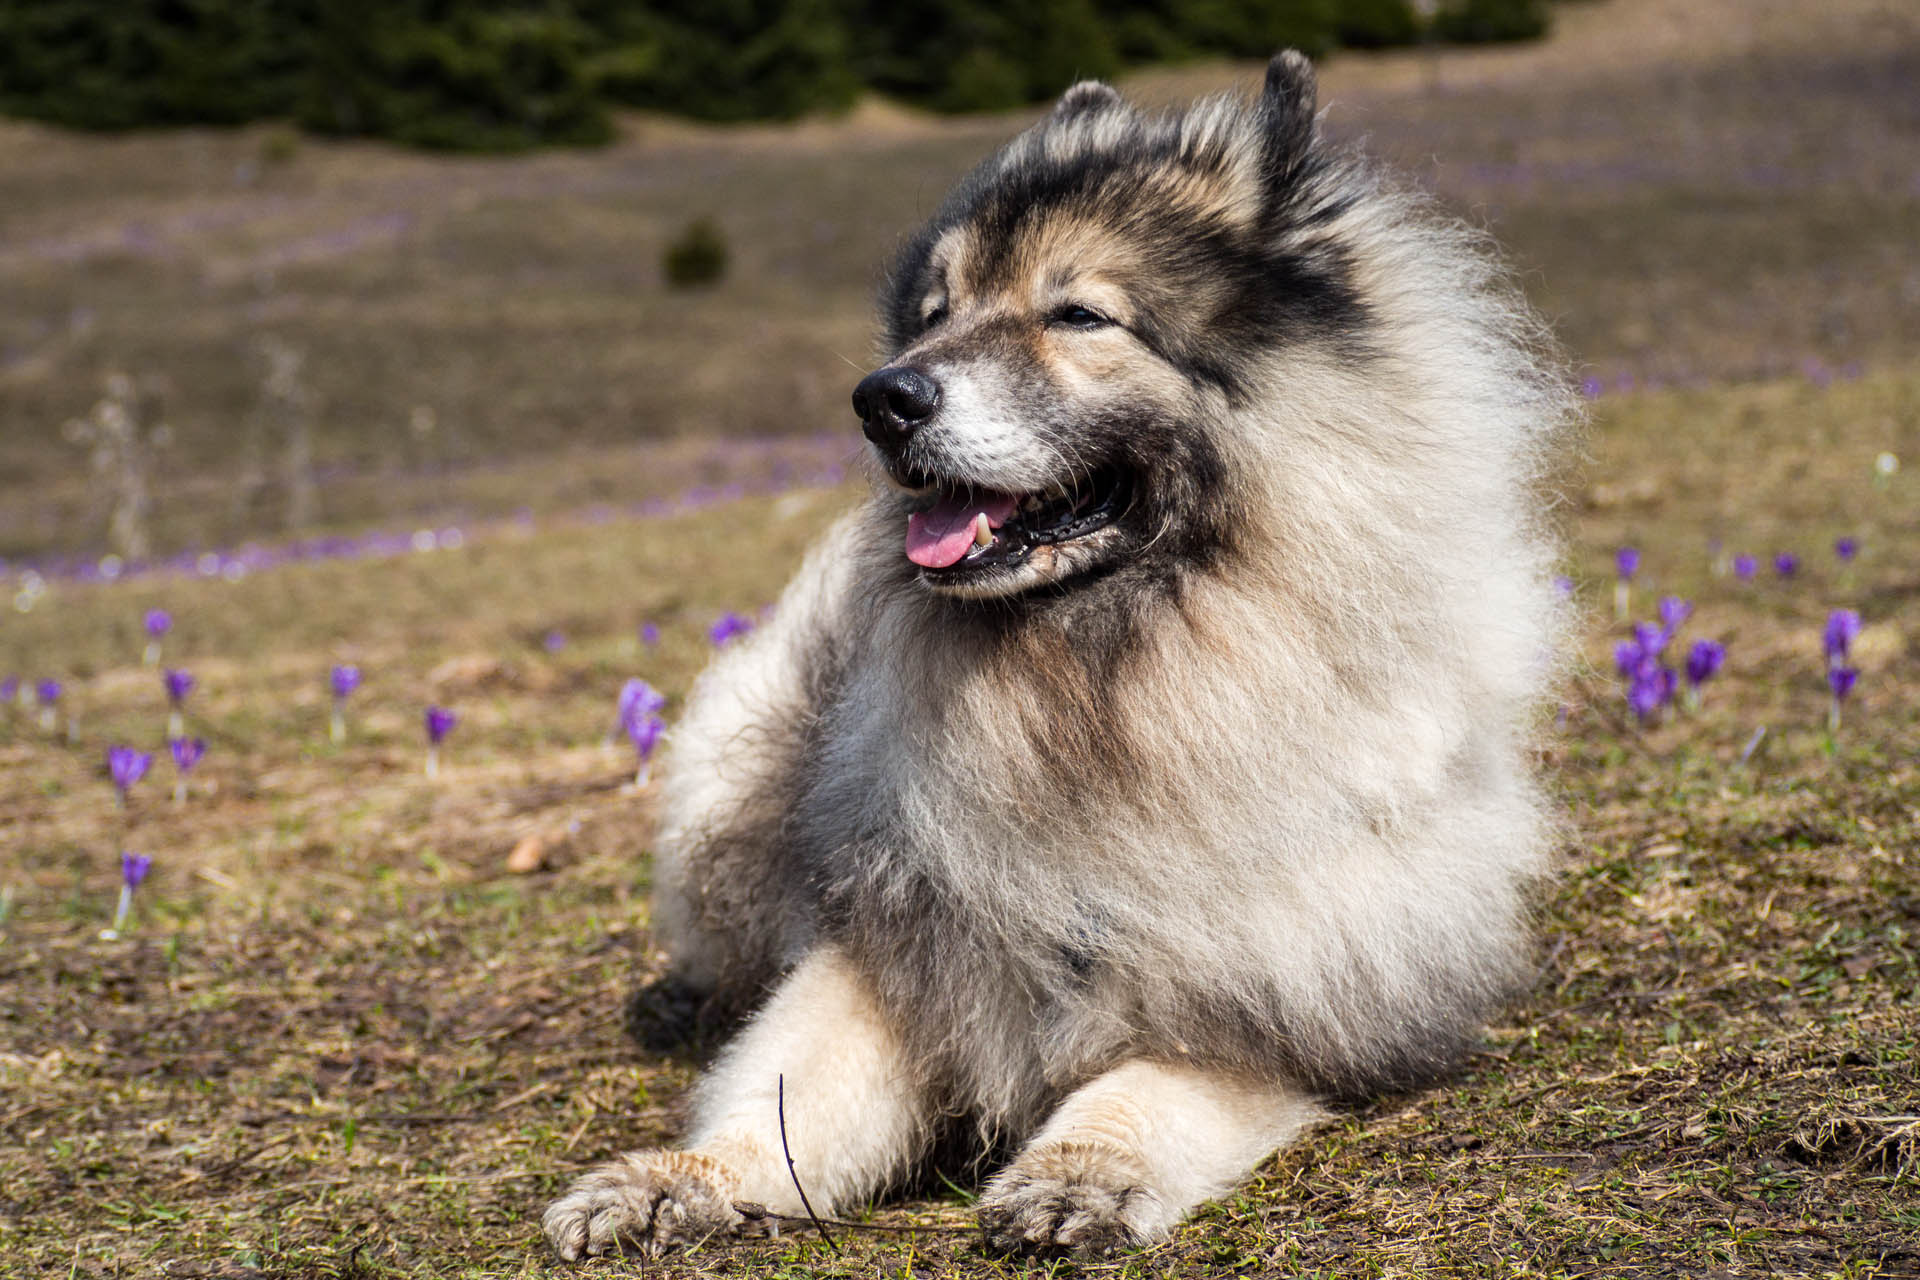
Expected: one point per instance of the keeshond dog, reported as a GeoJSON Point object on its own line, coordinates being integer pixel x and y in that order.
{"type": "Point", "coordinates": [1146, 764]}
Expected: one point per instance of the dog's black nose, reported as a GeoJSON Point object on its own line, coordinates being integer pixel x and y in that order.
{"type": "Point", "coordinates": [893, 403]}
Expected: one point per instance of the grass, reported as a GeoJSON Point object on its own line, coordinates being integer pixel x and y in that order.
{"type": "Point", "coordinates": [342, 1039]}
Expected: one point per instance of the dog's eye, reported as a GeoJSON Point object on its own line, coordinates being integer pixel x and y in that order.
{"type": "Point", "coordinates": [934, 317]}
{"type": "Point", "coordinates": [1075, 316]}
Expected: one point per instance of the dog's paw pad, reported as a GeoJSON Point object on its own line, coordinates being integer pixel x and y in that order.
{"type": "Point", "coordinates": [648, 1202]}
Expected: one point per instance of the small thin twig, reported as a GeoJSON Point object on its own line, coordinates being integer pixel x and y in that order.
{"type": "Point", "coordinates": [780, 1097]}
{"type": "Point", "coordinates": [760, 1213]}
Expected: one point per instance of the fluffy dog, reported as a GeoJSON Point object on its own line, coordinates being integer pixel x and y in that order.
{"type": "Point", "coordinates": [1146, 763]}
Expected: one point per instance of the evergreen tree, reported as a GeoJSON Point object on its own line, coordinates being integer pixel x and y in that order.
{"type": "Point", "coordinates": [1482, 21]}
{"type": "Point", "coordinates": [1375, 24]}
{"type": "Point", "coordinates": [735, 59]}
{"type": "Point", "coordinates": [493, 74]}
{"type": "Point", "coordinates": [481, 76]}
{"type": "Point", "coordinates": [122, 64]}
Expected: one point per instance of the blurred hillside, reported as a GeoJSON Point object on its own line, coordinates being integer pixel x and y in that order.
{"type": "Point", "coordinates": [1719, 190]}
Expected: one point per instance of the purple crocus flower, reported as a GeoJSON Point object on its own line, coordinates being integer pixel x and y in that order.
{"type": "Point", "coordinates": [1626, 563]}
{"type": "Point", "coordinates": [644, 732]}
{"type": "Point", "coordinates": [637, 707]}
{"type": "Point", "coordinates": [554, 641]}
{"type": "Point", "coordinates": [133, 870]}
{"type": "Point", "coordinates": [1843, 628]}
{"type": "Point", "coordinates": [728, 626]}
{"type": "Point", "coordinates": [1786, 564]}
{"type": "Point", "coordinates": [1744, 567]}
{"type": "Point", "coordinates": [46, 696]}
{"type": "Point", "coordinates": [1840, 681]}
{"type": "Point", "coordinates": [158, 622]}
{"type": "Point", "coordinates": [638, 699]}
{"type": "Point", "coordinates": [1846, 549]}
{"type": "Point", "coordinates": [1650, 682]}
{"type": "Point", "coordinates": [440, 722]}
{"type": "Point", "coordinates": [343, 680]}
{"type": "Point", "coordinates": [1563, 586]}
{"type": "Point", "coordinates": [9, 688]}
{"type": "Point", "coordinates": [1651, 689]}
{"type": "Point", "coordinates": [1635, 657]}
{"type": "Point", "coordinates": [125, 766]}
{"type": "Point", "coordinates": [650, 635]}
{"type": "Point", "coordinates": [179, 684]}
{"type": "Point", "coordinates": [186, 754]}
{"type": "Point", "coordinates": [1704, 659]}
{"type": "Point", "coordinates": [1673, 612]}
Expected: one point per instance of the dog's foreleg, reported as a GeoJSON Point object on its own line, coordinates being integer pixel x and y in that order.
{"type": "Point", "coordinates": [854, 1119]}
{"type": "Point", "coordinates": [854, 1116]}
{"type": "Point", "coordinates": [1129, 1154]}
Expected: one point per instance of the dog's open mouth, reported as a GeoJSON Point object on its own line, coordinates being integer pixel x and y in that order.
{"type": "Point", "coordinates": [958, 530]}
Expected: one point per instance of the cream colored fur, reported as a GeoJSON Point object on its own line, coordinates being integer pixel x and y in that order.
{"type": "Point", "coordinates": [1130, 910]}
{"type": "Point", "coordinates": [1122, 1160]}
{"type": "Point", "coordinates": [821, 1053]}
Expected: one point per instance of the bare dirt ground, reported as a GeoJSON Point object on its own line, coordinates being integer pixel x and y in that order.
{"type": "Point", "coordinates": [1714, 190]}
{"type": "Point", "coordinates": [339, 1037]}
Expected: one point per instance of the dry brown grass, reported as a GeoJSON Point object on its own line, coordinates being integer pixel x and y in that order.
{"type": "Point", "coordinates": [341, 1039]}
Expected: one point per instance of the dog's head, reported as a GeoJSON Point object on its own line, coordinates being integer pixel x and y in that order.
{"type": "Point", "coordinates": [1070, 334]}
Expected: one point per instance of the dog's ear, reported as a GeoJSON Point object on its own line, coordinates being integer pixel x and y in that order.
{"type": "Point", "coordinates": [1086, 98]}
{"type": "Point", "coordinates": [1288, 101]}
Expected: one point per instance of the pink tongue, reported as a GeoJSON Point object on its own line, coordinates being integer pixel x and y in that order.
{"type": "Point", "coordinates": [940, 537]}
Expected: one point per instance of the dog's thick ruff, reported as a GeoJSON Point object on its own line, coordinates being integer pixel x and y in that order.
{"type": "Point", "coordinates": [1194, 785]}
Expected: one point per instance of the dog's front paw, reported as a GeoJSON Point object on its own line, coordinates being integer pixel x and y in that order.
{"type": "Point", "coordinates": [650, 1201]}
{"type": "Point", "coordinates": [1073, 1199]}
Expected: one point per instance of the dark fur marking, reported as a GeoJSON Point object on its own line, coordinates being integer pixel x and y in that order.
{"type": "Point", "coordinates": [1287, 103]}
{"type": "Point", "coordinates": [1279, 290]}
{"type": "Point", "coordinates": [669, 1015]}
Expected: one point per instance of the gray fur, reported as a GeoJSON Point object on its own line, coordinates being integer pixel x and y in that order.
{"type": "Point", "coordinates": [1243, 780]}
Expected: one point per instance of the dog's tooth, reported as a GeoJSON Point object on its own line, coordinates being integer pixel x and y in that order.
{"type": "Point", "coordinates": [982, 531]}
